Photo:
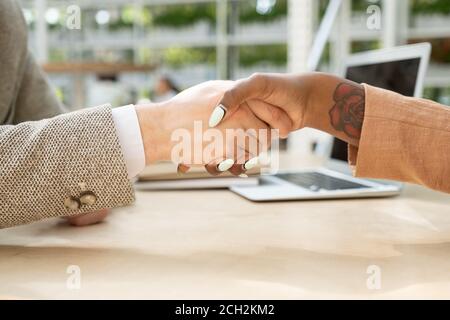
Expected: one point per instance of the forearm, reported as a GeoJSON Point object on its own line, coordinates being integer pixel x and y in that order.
{"type": "Point", "coordinates": [403, 139]}
{"type": "Point", "coordinates": [335, 106]}
{"type": "Point", "coordinates": [47, 166]}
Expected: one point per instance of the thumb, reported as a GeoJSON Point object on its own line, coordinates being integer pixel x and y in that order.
{"type": "Point", "coordinates": [254, 87]}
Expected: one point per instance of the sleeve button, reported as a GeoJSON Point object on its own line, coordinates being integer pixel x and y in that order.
{"type": "Point", "coordinates": [88, 198]}
{"type": "Point", "coordinates": [72, 203]}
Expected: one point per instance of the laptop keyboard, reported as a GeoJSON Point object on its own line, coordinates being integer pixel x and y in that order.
{"type": "Point", "coordinates": [316, 181]}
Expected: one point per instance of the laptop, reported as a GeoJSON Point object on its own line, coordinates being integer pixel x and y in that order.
{"type": "Point", "coordinates": [400, 69]}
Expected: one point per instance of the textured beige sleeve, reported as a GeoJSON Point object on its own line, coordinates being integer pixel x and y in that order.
{"type": "Point", "coordinates": [44, 163]}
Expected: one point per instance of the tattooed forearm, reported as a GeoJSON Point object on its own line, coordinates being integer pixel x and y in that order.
{"type": "Point", "coordinates": [347, 114]}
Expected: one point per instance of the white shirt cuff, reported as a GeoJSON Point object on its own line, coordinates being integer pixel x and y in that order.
{"type": "Point", "coordinates": [130, 138]}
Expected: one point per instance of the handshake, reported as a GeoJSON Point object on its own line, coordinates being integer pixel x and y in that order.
{"type": "Point", "coordinates": [226, 125]}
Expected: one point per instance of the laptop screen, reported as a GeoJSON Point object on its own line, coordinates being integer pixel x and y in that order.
{"type": "Point", "coordinates": [399, 76]}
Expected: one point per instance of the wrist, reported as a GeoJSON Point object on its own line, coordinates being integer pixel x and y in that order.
{"type": "Point", "coordinates": [153, 124]}
{"type": "Point", "coordinates": [336, 106]}
{"type": "Point", "coordinates": [319, 99]}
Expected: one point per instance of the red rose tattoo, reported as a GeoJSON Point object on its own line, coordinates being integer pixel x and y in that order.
{"type": "Point", "coordinates": [348, 112]}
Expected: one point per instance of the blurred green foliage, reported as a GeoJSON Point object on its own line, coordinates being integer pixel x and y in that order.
{"type": "Point", "coordinates": [248, 56]}
{"type": "Point", "coordinates": [183, 15]}
{"type": "Point", "coordinates": [417, 6]}
{"type": "Point", "coordinates": [441, 95]}
{"type": "Point", "coordinates": [187, 14]}
{"type": "Point", "coordinates": [362, 5]}
{"type": "Point", "coordinates": [430, 6]}
{"type": "Point", "coordinates": [178, 16]}
{"type": "Point", "coordinates": [128, 15]}
{"type": "Point", "coordinates": [360, 46]}
{"type": "Point", "coordinates": [179, 57]}
{"type": "Point", "coordinates": [255, 55]}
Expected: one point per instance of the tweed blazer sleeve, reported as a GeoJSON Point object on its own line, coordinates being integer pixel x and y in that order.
{"type": "Point", "coordinates": [48, 167]}
{"type": "Point", "coordinates": [63, 165]}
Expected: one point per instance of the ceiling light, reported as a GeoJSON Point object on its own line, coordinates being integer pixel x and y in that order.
{"type": "Point", "coordinates": [102, 17]}
{"type": "Point", "coordinates": [52, 16]}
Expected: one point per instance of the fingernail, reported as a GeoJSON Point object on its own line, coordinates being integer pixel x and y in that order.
{"type": "Point", "coordinates": [264, 159]}
{"type": "Point", "coordinates": [225, 165]}
{"type": "Point", "coordinates": [250, 164]}
{"type": "Point", "coordinates": [243, 175]}
{"type": "Point", "coordinates": [217, 115]}
{"type": "Point", "coordinates": [182, 169]}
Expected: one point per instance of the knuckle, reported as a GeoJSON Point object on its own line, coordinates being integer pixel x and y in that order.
{"type": "Point", "coordinates": [285, 129]}
{"type": "Point", "coordinates": [260, 80]}
{"type": "Point", "coordinates": [257, 76]}
{"type": "Point", "coordinates": [275, 114]}
{"type": "Point", "coordinates": [231, 96]}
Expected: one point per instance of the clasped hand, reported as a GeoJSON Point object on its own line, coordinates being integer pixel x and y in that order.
{"type": "Point", "coordinates": [225, 125]}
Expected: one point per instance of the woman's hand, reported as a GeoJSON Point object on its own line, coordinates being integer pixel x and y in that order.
{"type": "Point", "coordinates": [230, 146]}
{"type": "Point", "coordinates": [268, 95]}
{"type": "Point", "coordinates": [315, 100]}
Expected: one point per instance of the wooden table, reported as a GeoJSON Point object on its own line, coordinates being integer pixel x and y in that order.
{"type": "Point", "coordinates": [214, 244]}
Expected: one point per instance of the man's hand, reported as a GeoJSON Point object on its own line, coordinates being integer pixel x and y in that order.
{"type": "Point", "coordinates": [88, 218]}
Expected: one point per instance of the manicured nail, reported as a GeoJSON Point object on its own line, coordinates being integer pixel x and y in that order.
{"type": "Point", "coordinates": [250, 164]}
{"type": "Point", "coordinates": [217, 115]}
{"type": "Point", "coordinates": [225, 165]}
{"type": "Point", "coordinates": [243, 175]}
{"type": "Point", "coordinates": [182, 169]}
{"type": "Point", "coordinates": [264, 159]}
